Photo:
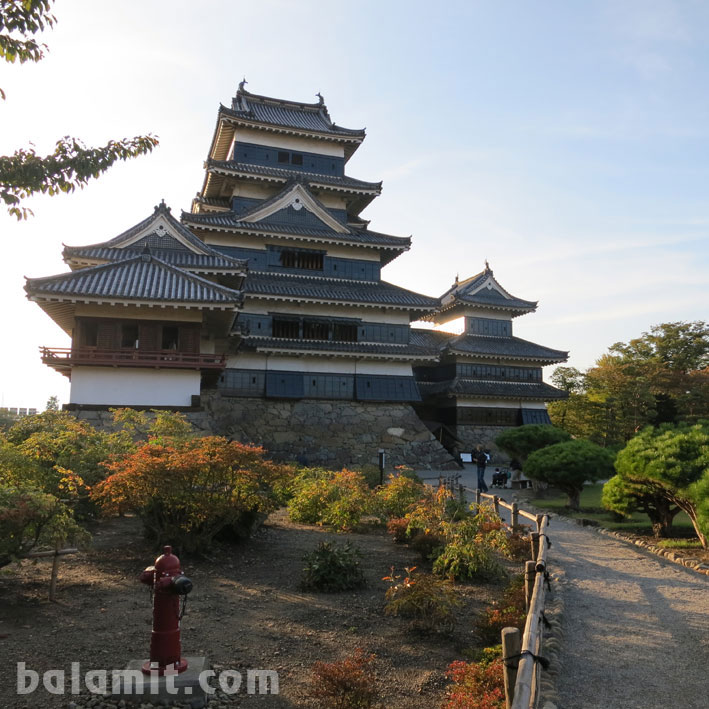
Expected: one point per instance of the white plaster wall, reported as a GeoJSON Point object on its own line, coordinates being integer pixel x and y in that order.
{"type": "Point", "coordinates": [288, 142]}
{"type": "Point", "coordinates": [133, 386]}
{"type": "Point", "coordinates": [139, 313]}
{"type": "Point", "coordinates": [502, 403]}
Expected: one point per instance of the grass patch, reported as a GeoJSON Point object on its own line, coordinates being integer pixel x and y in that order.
{"type": "Point", "coordinates": [680, 544]}
{"type": "Point", "coordinates": [590, 508]}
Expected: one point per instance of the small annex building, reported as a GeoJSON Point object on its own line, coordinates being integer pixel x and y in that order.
{"type": "Point", "coordinates": [263, 314]}
{"type": "Point", "coordinates": [484, 379]}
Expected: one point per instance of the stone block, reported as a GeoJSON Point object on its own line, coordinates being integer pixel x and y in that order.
{"type": "Point", "coordinates": [155, 690]}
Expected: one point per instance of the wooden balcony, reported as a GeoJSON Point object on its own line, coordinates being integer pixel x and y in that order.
{"type": "Point", "coordinates": [64, 358]}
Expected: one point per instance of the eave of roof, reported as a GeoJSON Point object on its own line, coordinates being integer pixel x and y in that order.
{"type": "Point", "coordinates": [143, 279]}
{"type": "Point", "coordinates": [390, 352]}
{"type": "Point", "coordinates": [217, 263]}
{"type": "Point", "coordinates": [378, 294]}
{"type": "Point", "coordinates": [539, 391]}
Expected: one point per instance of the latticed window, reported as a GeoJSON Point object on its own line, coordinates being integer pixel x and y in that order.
{"type": "Point", "coordinates": [344, 332]}
{"type": "Point", "coordinates": [315, 330]}
{"type": "Point", "coordinates": [286, 327]}
{"type": "Point", "coordinates": [307, 260]}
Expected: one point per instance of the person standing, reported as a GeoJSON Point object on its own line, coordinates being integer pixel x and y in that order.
{"type": "Point", "coordinates": [481, 459]}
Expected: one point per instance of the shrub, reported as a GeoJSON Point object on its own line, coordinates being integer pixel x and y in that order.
{"type": "Point", "coordinates": [467, 561]}
{"type": "Point", "coordinates": [396, 497]}
{"type": "Point", "coordinates": [427, 600]}
{"type": "Point", "coordinates": [331, 568]}
{"type": "Point", "coordinates": [398, 527]}
{"type": "Point", "coordinates": [428, 514]}
{"type": "Point", "coordinates": [338, 499]}
{"type": "Point", "coordinates": [347, 684]}
{"type": "Point", "coordinates": [427, 544]}
{"type": "Point", "coordinates": [189, 490]}
{"type": "Point", "coordinates": [509, 611]}
{"type": "Point", "coordinates": [30, 518]}
{"type": "Point", "coordinates": [477, 685]}
{"type": "Point", "coordinates": [518, 547]}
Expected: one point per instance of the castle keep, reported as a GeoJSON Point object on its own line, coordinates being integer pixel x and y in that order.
{"type": "Point", "coordinates": [262, 312]}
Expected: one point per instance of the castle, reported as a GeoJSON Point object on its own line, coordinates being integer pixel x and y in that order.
{"type": "Point", "coordinates": [263, 315]}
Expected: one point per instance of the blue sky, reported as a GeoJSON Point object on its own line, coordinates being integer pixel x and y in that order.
{"type": "Point", "coordinates": [566, 142]}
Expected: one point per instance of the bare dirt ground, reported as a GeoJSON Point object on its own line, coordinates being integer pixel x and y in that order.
{"type": "Point", "coordinates": [246, 612]}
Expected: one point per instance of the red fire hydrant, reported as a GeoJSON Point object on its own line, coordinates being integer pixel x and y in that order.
{"type": "Point", "coordinates": [169, 585]}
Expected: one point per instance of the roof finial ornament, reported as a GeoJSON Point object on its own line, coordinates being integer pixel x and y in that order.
{"type": "Point", "coordinates": [242, 83]}
{"type": "Point", "coordinates": [321, 100]}
{"type": "Point", "coordinates": [456, 278]}
{"type": "Point", "coordinates": [487, 267]}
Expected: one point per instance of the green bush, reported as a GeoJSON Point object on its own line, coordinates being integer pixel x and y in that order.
{"type": "Point", "coordinates": [332, 568]}
{"type": "Point", "coordinates": [428, 601]}
{"type": "Point", "coordinates": [396, 497]}
{"type": "Point", "coordinates": [335, 498]}
{"type": "Point", "coordinates": [31, 518]}
{"type": "Point", "coordinates": [467, 561]}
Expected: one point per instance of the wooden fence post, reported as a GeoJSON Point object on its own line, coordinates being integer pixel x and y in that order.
{"type": "Point", "coordinates": [530, 575]}
{"type": "Point", "coordinates": [477, 497]}
{"type": "Point", "coordinates": [535, 545]}
{"type": "Point", "coordinates": [496, 505]}
{"type": "Point", "coordinates": [515, 518]}
{"type": "Point", "coordinates": [511, 647]}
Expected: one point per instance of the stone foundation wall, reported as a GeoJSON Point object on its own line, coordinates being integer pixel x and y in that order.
{"type": "Point", "coordinates": [317, 432]}
{"type": "Point", "coordinates": [330, 433]}
{"type": "Point", "coordinates": [471, 436]}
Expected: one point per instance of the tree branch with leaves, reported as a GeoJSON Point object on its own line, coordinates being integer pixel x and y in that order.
{"type": "Point", "coordinates": [72, 164]}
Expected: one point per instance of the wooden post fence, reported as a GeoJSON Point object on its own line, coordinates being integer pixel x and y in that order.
{"type": "Point", "coordinates": [511, 647]}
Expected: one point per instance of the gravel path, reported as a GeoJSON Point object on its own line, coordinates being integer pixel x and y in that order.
{"type": "Point", "coordinates": [635, 626]}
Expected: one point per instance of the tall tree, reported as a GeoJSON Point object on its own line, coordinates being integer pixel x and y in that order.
{"type": "Point", "coordinates": [72, 164]}
{"type": "Point", "coordinates": [660, 377]}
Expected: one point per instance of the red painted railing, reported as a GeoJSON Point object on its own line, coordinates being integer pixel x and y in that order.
{"type": "Point", "coordinates": [63, 357]}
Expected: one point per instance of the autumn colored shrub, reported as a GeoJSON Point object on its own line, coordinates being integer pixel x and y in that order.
{"type": "Point", "coordinates": [346, 684]}
{"type": "Point", "coordinates": [508, 612]}
{"type": "Point", "coordinates": [477, 685]}
{"type": "Point", "coordinates": [428, 601]}
{"type": "Point", "coordinates": [332, 568]}
{"type": "Point", "coordinates": [398, 527]}
{"type": "Point", "coordinates": [396, 497]}
{"type": "Point", "coordinates": [30, 518]}
{"type": "Point", "coordinates": [188, 490]}
{"type": "Point", "coordinates": [338, 499]}
{"type": "Point", "coordinates": [428, 514]}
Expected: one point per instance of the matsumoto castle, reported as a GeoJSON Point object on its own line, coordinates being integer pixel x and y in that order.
{"type": "Point", "coordinates": [262, 314]}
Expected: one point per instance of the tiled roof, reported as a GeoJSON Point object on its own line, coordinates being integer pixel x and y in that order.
{"type": "Point", "coordinates": [290, 114]}
{"type": "Point", "coordinates": [190, 252]}
{"type": "Point", "coordinates": [361, 236]}
{"type": "Point", "coordinates": [355, 348]}
{"type": "Point", "coordinates": [144, 278]}
{"type": "Point", "coordinates": [493, 389]}
{"type": "Point", "coordinates": [484, 346]}
{"type": "Point", "coordinates": [433, 340]}
{"type": "Point", "coordinates": [473, 291]}
{"type": "Point", "coordinates": [182, 259]}
{"type": "Point", "coordinates": [324, 289]}
{"type": "Point", "coordinates": [248, 170]}
{"type": "Point", "coordinates": [504, 347]}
